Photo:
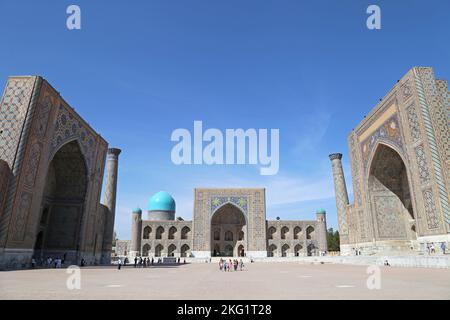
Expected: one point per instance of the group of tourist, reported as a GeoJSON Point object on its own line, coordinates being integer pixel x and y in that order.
{"type": "Point", "coordinates": [49, 262]}
{"type": "Point", "coordinates": [229, 265]}
{"type": "Point", "coordinates": [431, 249]}
{"type": "Point", "coordinates": [142, 262]}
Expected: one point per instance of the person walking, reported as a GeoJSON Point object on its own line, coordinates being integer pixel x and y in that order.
{"type": "Point", "coordinates": [241, 264]}
{"type": "Point", "coordinates": [119, 264]}
{"type": "Point", "coordinates": [443, 247]}
{"type": "Point", "coordinates": [135, 261]}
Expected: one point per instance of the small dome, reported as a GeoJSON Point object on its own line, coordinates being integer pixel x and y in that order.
{"type": "Point", "coordinates": [137, 210]}
{"type": "Point", "coordinates": [321, 210]}
{"type": "Point", "coordinates": [161, 201]}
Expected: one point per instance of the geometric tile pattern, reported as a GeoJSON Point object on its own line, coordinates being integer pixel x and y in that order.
{"type": "Point", "coordinates": [430, 209]}
{"type": "Point", "coordinates": [21, 216]}
{"type": "Point", "coordinates": [406, 90]}
{"type": "Point", "coordinates": [388, 219]}
{"type": "Point", "coordinates": [355, 170]}
{"type": "Point", "coordinates": [388, 131]}
{"type": "Point", "coordinates": [13, 110]}
{"type": "Point", "coordinates": [43, 113]}
{"type": "Point", "coordinates": [440, 115]}
{"type": "Point", "coordinates": [424, 173]}
{"type": "Point", "coordinates": [362, 225]}
{"type": "Point", "coordinates": [414, 126]}
{"type": "Point", "coordinates": [32, 165]}
{"type": "Point", "coordinates": [218, 201]}
{"type": "Point", "coordinates": [425, 88]}
{"type": "Point", "coordinates": [68, 127]}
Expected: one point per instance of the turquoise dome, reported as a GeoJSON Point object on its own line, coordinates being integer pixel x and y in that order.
{"type": "Point", "coordinates": [161, 201]}
{"type": "Point", "coordinates": [321, 210]}
{"type": "Point", "coordinates": [137, 210]}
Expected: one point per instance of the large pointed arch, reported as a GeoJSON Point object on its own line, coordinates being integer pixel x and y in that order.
{"type": "Point", "coordinates": [229, 203]}
{"type": "Point", "coordinates": [62, 144]}
{"type": "Point", "coordinates": [227, 221]}
{"type": "Point", "coordinates": [63, 206]}
{"type": "Point", "coordinates": [390, 193]}
{"type": "Point", "coordinates": [380, 144]}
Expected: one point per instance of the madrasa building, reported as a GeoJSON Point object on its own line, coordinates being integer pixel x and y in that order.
{"type": "Point", "coordinates": [226, 222]}
{"type": "Point", "coordinates": [52, 164]}
{"type": "Point", "coordinates": [400, 162]}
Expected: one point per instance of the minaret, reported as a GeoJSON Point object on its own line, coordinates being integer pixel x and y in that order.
{"type": "Point", "coordinates": [340, 190]}
{"type": "Point", "coordinates": [321, 216]}
{"type": "Point", "coordinates": [109, 201]}
{"type": "Point", "coordinates": [136, 228]}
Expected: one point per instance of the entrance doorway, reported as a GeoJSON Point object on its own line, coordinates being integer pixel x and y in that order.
{"type": "Point", "coordinates": [391, 196]}
{"type": "Point", "coordinates": [63, 205]}
{"type": "Point", "coordinates": [228, 229]}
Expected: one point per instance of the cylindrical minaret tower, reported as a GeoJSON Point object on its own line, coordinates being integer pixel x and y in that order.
{"type": "Point", "coordinates": [136, 229]}
{"type": "Point", "coordinates": [340, 190]}
{"type": "Point", "coordinates": [321, 216]}
{"type": "Point", "coordinates": [109, 201]}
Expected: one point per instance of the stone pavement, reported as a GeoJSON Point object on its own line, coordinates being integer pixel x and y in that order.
{"type": "Point", "coordinates": [290, 280]}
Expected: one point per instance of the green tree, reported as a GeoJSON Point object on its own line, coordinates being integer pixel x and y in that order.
{"type": "Point", "coordinates": [333, 240]}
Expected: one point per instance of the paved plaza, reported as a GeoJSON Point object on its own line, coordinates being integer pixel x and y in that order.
{"type": "Point", "coordinates": [205, 281]}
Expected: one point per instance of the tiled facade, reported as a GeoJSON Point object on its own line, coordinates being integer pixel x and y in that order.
{"type": "Point", "coordinates": [226, 222]}
{"type": "Point", "coordinates": [400, 163]}
{"type": "Point", "coordinates": [41, 136]}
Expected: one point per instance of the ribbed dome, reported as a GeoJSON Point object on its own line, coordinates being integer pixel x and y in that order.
{"type": "Point", "coordinates": [161, 201]}
{"type": "Point", "coordinates": [321, 210]}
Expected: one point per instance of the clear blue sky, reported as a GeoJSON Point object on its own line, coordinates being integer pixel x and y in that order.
{"type": "Point", "coordinates": [137, 70]}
